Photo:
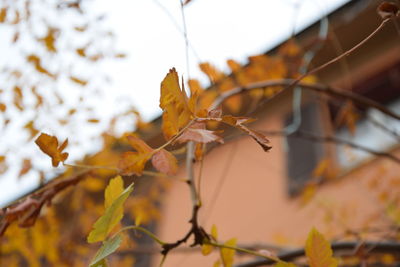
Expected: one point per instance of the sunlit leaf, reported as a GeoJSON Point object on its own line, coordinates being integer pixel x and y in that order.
{"type": "Point", "coordinates": [106, 249]}
{"type": "Point", "coordinates": [227, 254]}
{"type": "Point", "coordinates": [174, 103]}
{"type": "Point", "coordinates": [165, 162]}
{"type": "Point", "coordinates": [49, 145]}
{"type": "Point", "coordinates": [318, 251]}
{"type": "Point", "coordinates": [111, 217]}
{"type": "Point", "coordinates": [113, 191]}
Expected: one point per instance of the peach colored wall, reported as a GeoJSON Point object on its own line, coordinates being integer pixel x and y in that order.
{"type": "Point", "coordinates": [252, 204]}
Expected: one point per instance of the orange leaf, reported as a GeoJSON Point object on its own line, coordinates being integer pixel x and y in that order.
{"type": "Point", "coordinates": [26, 166]}
{"type": "Point", "coordinates": [174, 103]}
{"type": "Point", "coordinates": [78, 81]}
{"type": "Point", "coordinates": [233, 65]}
{"type": "Point", "coordinates": [139, 144]}
{"type": "Point", "coordinates": [212, 73]}
{"type": "Point", "coordinates": [133, 163]}
{"type": "Point", "coordinates": [318, 251]}
{"type": "Point", "coordinates": [49, 145]}
{"type": "Point", "coordinates": [165, 162]}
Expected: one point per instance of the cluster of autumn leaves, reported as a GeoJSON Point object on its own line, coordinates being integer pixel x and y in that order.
{"type": "Point", "coordinates": [183, 122]}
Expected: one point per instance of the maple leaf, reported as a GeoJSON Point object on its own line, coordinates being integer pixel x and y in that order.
{"type": "Point", "coordinates": [318, 251]}
{"type": "Point", "coordinates": [49, 145]}
{"type": "Point", "coordinates": [174, 103]}
{"type": "Point", "coordinates": [165, 162]}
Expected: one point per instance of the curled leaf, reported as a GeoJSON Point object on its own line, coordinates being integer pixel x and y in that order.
{"type": "Point", "coordinates": [49, 145]}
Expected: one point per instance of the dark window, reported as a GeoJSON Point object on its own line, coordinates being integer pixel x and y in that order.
{"type": "Point", "coordinates": [303, 155]}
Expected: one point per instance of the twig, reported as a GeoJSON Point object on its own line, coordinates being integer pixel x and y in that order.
{"type": "Point", "coordinates": [345, 54]}
{"type": "Point", "coordinates": [332, 139]}
{"type": "Point", "coordinates": [377, 247]}
{"type": "Point", "coordinates": [325, 89]}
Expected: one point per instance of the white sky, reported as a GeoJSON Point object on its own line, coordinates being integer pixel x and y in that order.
{"type": "Point", "coordinates": [153, 40]}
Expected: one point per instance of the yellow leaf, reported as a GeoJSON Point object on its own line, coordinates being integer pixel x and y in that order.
{"type": "Point", "coordinates": [227, 254]}
{"type": "Point", "coordinates": [217, 263]}
{"type": "Point", "coordinates": [318, 251]}
{"type": "Point", "coordinates": [206, 249]}
{"type": "Point", "coordinates": [112, 216]}
{"type": "Point", "coordinates": [214, 232]}
{"type": "Point", "coordinates": [113, 190]}
{"type": "Point", "coordinates": [284, 264]}
{"type": "Point", "coordinates": [49, 145]}
{"type": "Point", "coordinates": [174, 103]}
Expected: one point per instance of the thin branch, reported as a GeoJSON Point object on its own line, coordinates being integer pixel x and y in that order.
{"type": "Point", "coordinates": [345, 54]}
{"type": "Point", "coordinates": [321, 88]}
{"type": "Point", "coordinates": [376, 247]}
{"type": "Point", "coordinates": [336, 140]}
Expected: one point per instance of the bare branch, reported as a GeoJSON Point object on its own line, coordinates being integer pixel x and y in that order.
{"type": "Point", "coordinates": [373, 247]}
{"type": "Point", "coordinates": [321, 88]}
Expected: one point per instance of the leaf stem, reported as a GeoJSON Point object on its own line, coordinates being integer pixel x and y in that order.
{"type": "Point", "coordinates": [244, 250]}
{"type": "Point", "coordinates": [143, 230]}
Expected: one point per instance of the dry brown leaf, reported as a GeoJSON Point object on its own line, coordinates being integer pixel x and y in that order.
{"type": "Point", "coordinates": [387, 10]}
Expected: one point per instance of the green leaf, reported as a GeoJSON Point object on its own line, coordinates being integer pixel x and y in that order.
{"type": "Point", "coordinates": [106, 249]}
{"type": "Point", "coordinates": [112, 216]}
